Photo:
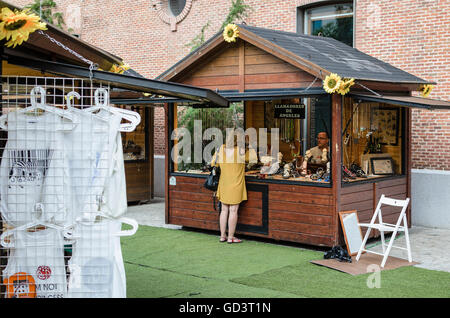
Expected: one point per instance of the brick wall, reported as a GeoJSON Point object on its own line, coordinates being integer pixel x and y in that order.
{"type": "Point", "coordinates": [412, 35]}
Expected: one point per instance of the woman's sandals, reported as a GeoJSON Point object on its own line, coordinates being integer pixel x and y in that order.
{"type": "Point", "coordinates": [234, 240]}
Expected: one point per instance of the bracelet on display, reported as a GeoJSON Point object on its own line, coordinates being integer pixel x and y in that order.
{"type": "Point", "coordinates": [318, 175]}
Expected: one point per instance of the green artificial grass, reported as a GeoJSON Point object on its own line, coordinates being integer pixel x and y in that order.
{"type": "Point", "coordinates": [176, 263]}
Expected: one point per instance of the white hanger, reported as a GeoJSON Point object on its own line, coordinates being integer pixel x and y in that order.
{"type": "Point", "coordinates": [35, 105]}
{"type": "Point", "coordinates": [27, 226]}
{"type": "Point", "coordinates": [71, 108]}
{"type": "Point", "coordinates": [125, 220]}
{"type": "Point", "coordinates": [133, 117]}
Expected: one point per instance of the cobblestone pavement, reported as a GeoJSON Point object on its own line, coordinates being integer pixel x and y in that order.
{"type": "Point", "coordinates": [151, 214]}
{"type": "Point", "coordinates": [430, 247]}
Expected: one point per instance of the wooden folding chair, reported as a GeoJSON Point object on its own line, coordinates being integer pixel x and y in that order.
{"type": "Point", "coordinates": [386, 227]}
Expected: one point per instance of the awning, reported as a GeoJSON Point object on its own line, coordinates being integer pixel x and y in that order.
{"type": "Point", "coordinates": [270, 94]}
{"type": "Point", "coordinates": [234, 96]}
{"type": "Point", "coordinates": [408, 101]}
{"type": "Point", "coordinates": [114, 80]}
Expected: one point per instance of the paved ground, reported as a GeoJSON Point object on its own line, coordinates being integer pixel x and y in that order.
{"type": "Point", "coordinates": [430, 247]}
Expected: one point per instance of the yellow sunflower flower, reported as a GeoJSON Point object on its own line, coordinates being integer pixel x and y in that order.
{"type": "Point", "coordinates": [119, 68]}
{"type": "Point", "coordinates": [345, 86]}
{"type": "Point", "coordinates": [231, 33]}
{"type": "Point", "coordinates": [426, 90]}
{"type": "Point", "coordinates": [18, 40]}
{"type": "Point", "coordinates": [16, 26]}
{"type": "Point", "coordinates": [332, 83]}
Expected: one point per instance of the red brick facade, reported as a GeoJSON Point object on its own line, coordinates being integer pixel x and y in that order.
{"type": "Point", "coordinates": [412, 35]}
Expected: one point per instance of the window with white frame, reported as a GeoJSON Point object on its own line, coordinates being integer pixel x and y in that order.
{"type": "Point", "coordinates": [335, 21]}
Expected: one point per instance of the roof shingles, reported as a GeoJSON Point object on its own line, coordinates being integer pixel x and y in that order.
{"type": "Point", "coordinates": [335, 56]}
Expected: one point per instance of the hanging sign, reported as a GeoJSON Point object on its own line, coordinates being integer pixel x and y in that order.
{"type": "Point", "coordinates": [289, 111]}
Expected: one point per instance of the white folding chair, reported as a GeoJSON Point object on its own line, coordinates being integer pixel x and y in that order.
{"type": "Point", "coordinates": [386, 227]}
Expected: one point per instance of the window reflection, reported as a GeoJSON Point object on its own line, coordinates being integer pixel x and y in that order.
{"type": "Point", "coordinates": [335, 21]}
{"type": "Point", "coordinates": [134, 143]}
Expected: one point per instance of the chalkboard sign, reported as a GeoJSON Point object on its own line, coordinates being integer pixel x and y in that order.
{"type": "Point", "coordinates": [352, 231]}
{"type": "Point", "coordinates": [289, 111]}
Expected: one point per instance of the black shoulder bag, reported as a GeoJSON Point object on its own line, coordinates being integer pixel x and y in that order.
{"type": "Point", "coordinates": [212, 180]}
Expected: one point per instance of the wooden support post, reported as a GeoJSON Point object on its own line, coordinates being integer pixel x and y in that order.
{"type": "Point", "coordinates": [151, 144]}
{"type": "Point", "coordinates": [336, 159]}
{"type": "Point", "coordinates": [408, 153]}
{"type": "Point", "coordinates": [168, 108]}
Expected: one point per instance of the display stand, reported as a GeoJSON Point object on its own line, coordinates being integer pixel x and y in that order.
{"type": "Point", "coordinates": [63, 190]}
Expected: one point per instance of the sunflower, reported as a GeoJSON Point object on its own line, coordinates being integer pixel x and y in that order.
{"type": "Point", "coordinates": [231, 33]}
{"type": "Point", "coordinates": [16, 26]}
{"type": "Point", "coordinates": [345, 86]}
{"type": "Point", "coordinates": [426, 90]}
{"type": "Point", "coordinates": [119, 68]}
{"type": "Point", "coordinates": [332, 83]}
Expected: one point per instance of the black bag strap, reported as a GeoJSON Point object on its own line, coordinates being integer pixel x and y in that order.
{"type": "Point", "coordinates": [214, 193]}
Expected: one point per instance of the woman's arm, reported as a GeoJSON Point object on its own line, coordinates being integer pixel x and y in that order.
{"type": "Point", "coordinates": [215, 158]}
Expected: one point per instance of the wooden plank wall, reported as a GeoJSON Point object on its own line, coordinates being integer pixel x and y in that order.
{"type": "Point", "coordinates": [220, 72]}
{"type": "Point", "coordinates": [365, 197]}
{"type": "Point", "coordinates": [301, 214]}
{"type": "Point", "coordinates": [264, 71]}
{"type": "Point", "coordinates": [138, 176]}
{"type": "Point", "coordinates": [261, 70]}
{"type": "Point", "coordinates": [190, 204]}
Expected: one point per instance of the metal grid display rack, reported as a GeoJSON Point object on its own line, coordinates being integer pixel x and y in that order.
{"type": "Point", "coordinates": [62, 189]}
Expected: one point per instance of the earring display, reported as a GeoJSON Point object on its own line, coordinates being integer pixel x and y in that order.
{"type": "Point", "coordinates": [63, 191]}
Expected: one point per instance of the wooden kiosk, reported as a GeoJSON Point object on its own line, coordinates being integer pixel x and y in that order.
{"type": "Point", "coordinates": [369, 126]}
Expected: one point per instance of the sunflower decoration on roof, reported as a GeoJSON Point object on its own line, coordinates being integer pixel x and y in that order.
{"type": "Point", "coordinates": [230, 33]}
{"type": "Point", "coordinates": [345, 85]}
{"type": "Point", "coordinates": [120, 69]}
{"type": "Point", "coordinates": [16, 26]}
{"type": "Point", "coordinates": [332, 83]}
{"type": "Point", "coordinates": [426, 90]}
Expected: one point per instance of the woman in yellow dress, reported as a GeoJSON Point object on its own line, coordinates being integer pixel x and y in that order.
{"type": "Point", "coordinates": [231, 190]}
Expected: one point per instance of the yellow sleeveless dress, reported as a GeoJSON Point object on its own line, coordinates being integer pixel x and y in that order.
{"type": "Point", "coordinates": [231, 189]}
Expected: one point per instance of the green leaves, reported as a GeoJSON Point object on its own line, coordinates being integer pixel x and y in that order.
{"type": "Point", "coordinates": [238, 11]}
{"type": "Point", "coordinates": [198, 40]}
{"type": "Point", "coordinates": [44, 9]}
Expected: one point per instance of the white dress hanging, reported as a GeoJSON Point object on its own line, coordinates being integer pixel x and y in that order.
{"type": "Point", "coordinates": [96, 267]}
{"type": "Point", "coordinates": [36, 265]}
{"type": "Point", "coordinates": [34, 169]}
{"type": "Point", "coordinates": [97, 165]}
